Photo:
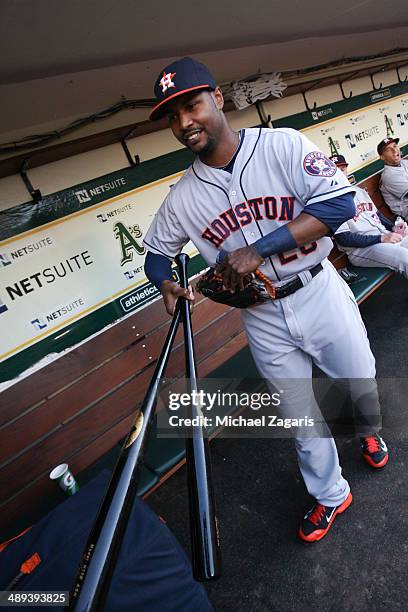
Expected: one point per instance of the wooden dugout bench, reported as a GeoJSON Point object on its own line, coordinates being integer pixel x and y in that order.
{"type": "Point", "coordinates": [77, 409]}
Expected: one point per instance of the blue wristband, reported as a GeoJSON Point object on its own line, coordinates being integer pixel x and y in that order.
{"type": "Point", "coordinates": [278, 241]}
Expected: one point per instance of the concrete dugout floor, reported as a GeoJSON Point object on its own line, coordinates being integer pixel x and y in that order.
{"type": "Point", "coordinates": [362, 563]}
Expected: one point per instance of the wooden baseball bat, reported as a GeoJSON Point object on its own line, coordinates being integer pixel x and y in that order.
{"type": "Point", "coordinates": [206, 552]}
{"type": "Point", "coordinates": [103, 545]}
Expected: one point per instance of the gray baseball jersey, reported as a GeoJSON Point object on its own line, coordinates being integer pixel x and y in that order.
{"type": "Point", "coordinates": [366, 219]}
{"type": "Point", "coordinates": [394, 187]}
{"type": "Point", "coordinates": [276, 175]}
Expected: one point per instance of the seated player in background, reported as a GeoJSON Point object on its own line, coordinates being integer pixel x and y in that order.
{"type": "Point", "coordinates": [394, 177]}
{"type": "Point", "coordinates": [369, 238]}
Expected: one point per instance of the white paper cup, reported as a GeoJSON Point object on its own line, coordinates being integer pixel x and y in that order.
{"type": "Point", "coordinates": [63, 475]}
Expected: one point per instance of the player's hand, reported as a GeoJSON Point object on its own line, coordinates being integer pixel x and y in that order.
{"type": "Point", "coordinates": [237, 265]}
{"type": "Point", "coordinates": [171, 291]}
{"type": "Point", "coordinates": [401, 228]}
{"type": "Point", "coordinates": [391, 238]}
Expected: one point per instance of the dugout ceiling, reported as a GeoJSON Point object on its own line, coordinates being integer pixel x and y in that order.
{"type": "Point", "coordinates": [64, 60]}
{"type": "Point", "coordinates": [45, 37]}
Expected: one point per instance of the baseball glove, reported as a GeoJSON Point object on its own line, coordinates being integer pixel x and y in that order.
{"type": "Point", "coordinates": [210, 285]}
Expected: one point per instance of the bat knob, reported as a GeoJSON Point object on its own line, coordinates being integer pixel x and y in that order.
{"type": "Point", "coordinates": [182, 259]}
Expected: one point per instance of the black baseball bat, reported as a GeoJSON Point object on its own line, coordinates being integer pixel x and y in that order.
{"type": "Point", "coordinates": [103, 545]}
{"type": "Point", "coordinates": [206, 552]}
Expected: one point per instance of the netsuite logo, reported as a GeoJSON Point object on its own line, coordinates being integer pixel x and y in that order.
{"type": "Point", "coordinates": [328, 130]}
{"type": "Point", "coordinates": [62, 312]}
{"type": "Point", "coordinates": [356, 119]}
{"type": "Point", "coordinates": [368, 155]}
{"type": "Point", "coordinates": [83, 196]}
{"type": "Point", "coordinates": [402, 118]}
{"type": "Point", "coordinates": [131, 274]}
{"type": "Point", "coordinates": [26, 250]}
{"type": "Point", "coordinates": [40, 279]}
{"type": "Point", "coordinates": [86, 195]}
{"type": "Point", "coordinates": [4, 260]}
{"type": "Point", "coordinates": [351, 141]}
{"type": "Point", "coordinates": [104, 217]}
{"type": "Point", "coordinates": [321, 113]}
{"type": "Point", "coordinates": [39, 323]}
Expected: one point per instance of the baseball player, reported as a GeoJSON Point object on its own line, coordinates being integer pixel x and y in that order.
{"type": "Point", "coordinates": [369, 238]}
{"type": "Point", "coordinates": [394, 177]}
{"type": "Point", "coordinates": [269, 199]}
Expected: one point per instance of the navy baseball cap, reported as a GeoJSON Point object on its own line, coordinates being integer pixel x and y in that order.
{"type": "Point", "coordinates": [384, 143]}
{"type": "Point", "coordinates": [339, 160]}
{"type": "Point", "coordinates": [180, 77]}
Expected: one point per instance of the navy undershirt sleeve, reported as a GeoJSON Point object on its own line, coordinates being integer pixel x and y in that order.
{"type": "Point", "coordinates": [386, 222]}
{"type": "Point", "coordinates": [357, 240]}
{"type": "Point", "coordinates": [334, 211]}
{"type": "Point", "coordinates": [157, 269]}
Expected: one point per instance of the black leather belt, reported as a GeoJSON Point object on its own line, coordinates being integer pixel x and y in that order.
{"type": "Point", "coordinates": [295, 284]}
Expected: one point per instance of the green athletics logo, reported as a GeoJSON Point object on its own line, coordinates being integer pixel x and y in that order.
{"type": "Point", "coordinates": [389, 126]}
{"type": "Point", "coordinates": [127, 240]}
{"type": "Point", "coordinates": [334, 146]}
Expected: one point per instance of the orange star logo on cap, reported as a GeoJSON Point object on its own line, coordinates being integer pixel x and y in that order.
{"type": "Point", "coordinates": [166, 81]}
